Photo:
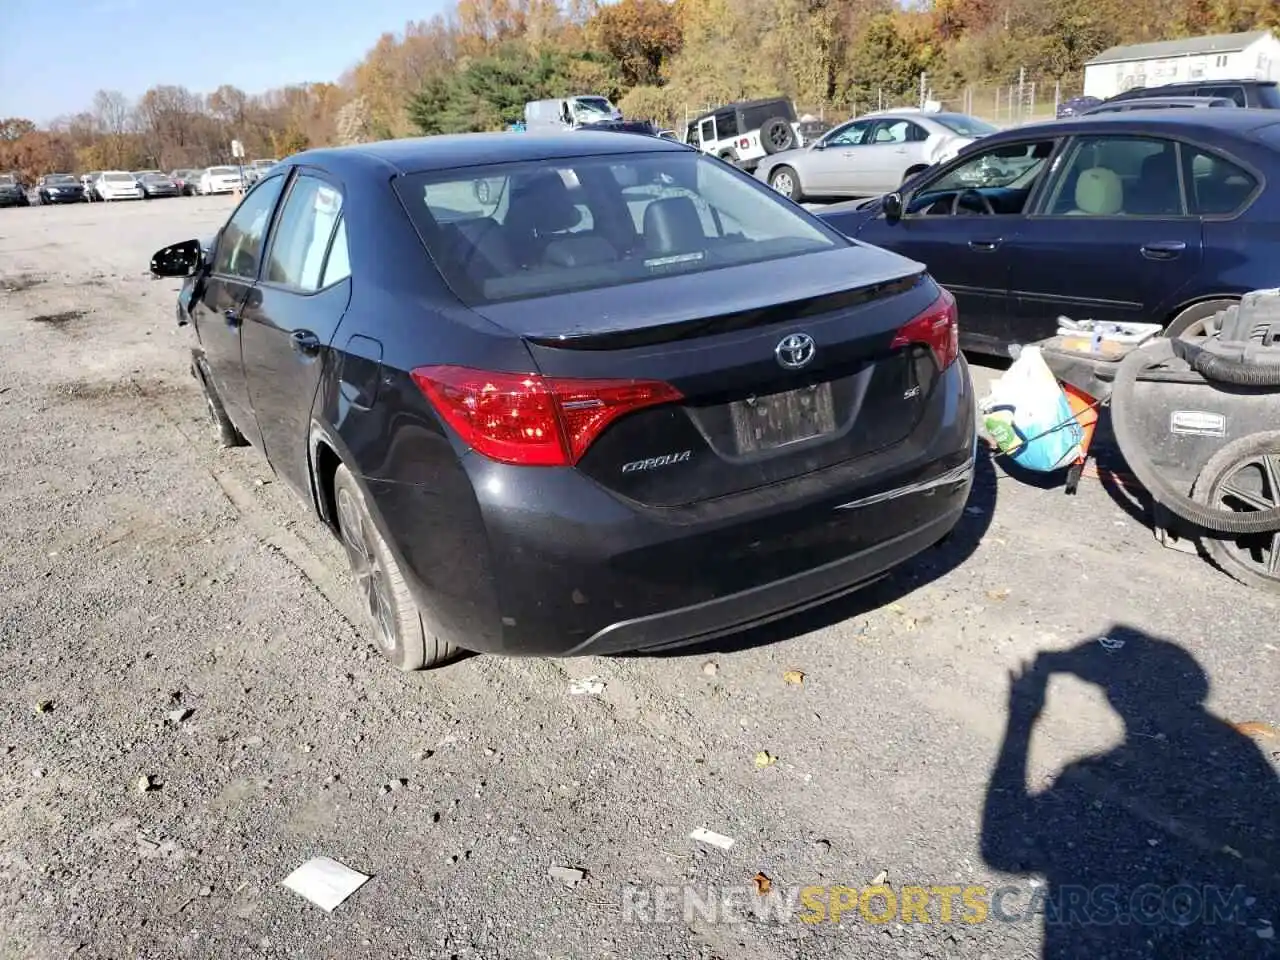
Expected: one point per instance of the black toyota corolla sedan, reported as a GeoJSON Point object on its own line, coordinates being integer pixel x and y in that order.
{"type": "Point", "coordinates": [569, 395]}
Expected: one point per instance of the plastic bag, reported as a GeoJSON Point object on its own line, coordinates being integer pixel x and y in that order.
{"type": "Point", "coordinates": [1028, 416]}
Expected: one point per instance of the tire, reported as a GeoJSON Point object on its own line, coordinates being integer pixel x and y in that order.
{"type": "Point", "coordinates": [729, 156]}
{"type": "Point", "coordinates": [1191, 320]}
{"type": "Point", "coordinates": [225, 431]}
{"type": "Point", "coordinates": [776, 135]}
{"type": "Point", "coordinates": [398, 628]}
{"type": "Point", "coordinates": [786, 181]}
{"type": "Point", "coordinates": [1261, 569]}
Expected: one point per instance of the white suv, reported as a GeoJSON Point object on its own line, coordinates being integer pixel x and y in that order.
{"type": "Point", "coordinates": [745, 133]}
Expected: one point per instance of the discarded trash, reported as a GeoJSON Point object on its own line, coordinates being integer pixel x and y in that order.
{"type": "Point", "coordinates": [176, 717]}
{"type": "Point", "coordinates": [1001, 594]}
{"type": "Point", "coordinates": [587, 686]}
{"type": "Point", "coordinates": [1029, 417]}
{"type": "Point", "coordinates": [880, 878]}
{"type": "Point", "coordinates": [765, 759]}
{"type": "Point", "coordinates": [710, 668]}
{"type": "Point", "coordinates": [795, 677]}
{"type": "Point", "coordinates": [144, 783]}
{"type": "Point", "coordinates": [44, 706]}
{"type": "Point", "coordinates": [569, 876]}
{"type": "Point", "coordinates": [896, 608]}
{"type": "Point", "coordinates": [822, 846]}
{"type": "Point", "coordinates": [1258, 729]}
{"type": "Point", "coordinates": [762, 883]}
{"type": "Point", "coordinates": [325, 882]}
{"type": "Point", "coordinates": [703, 835]}
{"type": "Point", "coordinates": [1111, 644]}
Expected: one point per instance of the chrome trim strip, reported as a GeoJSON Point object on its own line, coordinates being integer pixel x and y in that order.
{"type": "Point", "coordinates": [956, 475]}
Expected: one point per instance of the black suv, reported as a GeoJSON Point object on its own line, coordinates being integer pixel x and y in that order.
{"type": "Point", "coordinates": [1264, 94]}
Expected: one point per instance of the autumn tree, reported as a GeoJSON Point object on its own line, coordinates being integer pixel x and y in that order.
{"type": "Point", "coordinates": [640, 35]}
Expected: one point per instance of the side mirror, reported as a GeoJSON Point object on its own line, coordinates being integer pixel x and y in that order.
{"type": "Point", "coordinates": [818, 145]}
{"type": "Point", "coordinates": [178, 260]}
{"type": "Point", "coordinates": [892, 207]}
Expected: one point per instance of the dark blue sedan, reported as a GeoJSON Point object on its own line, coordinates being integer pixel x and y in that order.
{"type": "Point", "coordinates": [578, 394]}
{"type": "Point", "coordinates": [1145, 217]}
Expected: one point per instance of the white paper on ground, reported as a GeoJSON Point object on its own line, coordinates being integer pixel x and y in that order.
{"type": "Point", "coordinates": [711, 837]}
{"type": "Point", "coordinates": [325, 882]}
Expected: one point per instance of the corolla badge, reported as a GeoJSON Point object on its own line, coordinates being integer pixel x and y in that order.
{"type": "Point", "coordinates": [795, 350]}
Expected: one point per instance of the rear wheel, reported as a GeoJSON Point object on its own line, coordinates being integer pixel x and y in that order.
{"type": "Point", "coordinates": [1244, 477]}
{"type": "Point", "coordinates": [399, 630]}
{"type": "Point", "coordinates": [1198, 320]}
{"type": "Point", "coordinates": [786, 182]}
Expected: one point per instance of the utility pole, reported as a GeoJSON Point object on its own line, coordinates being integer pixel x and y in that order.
{"type": "Point", "coordinates": [924, 79]}
{"type": "Point", "coordinates": [1022, 102]}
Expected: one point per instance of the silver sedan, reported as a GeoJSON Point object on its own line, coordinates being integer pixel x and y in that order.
{"type": "Point", "coordinates": [871, 155]}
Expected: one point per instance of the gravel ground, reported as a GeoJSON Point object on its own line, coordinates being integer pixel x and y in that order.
{"type": "Point", "coordinates": [172, 613]}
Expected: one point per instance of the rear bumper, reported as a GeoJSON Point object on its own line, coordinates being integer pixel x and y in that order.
{"type": "Point", "coordinates": [546, 562]}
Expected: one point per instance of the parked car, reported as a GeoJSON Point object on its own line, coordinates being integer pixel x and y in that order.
{"type": "Point", "coordinates": [1076, 106]}
{"type": "Point", "coordinates": [542, 428]}
{"type": "Point", "coordinates": [220, 180]}
{"type": "Point", "coordinates": [1151, 216]}
{"type": "Point", "coordinates": [87, 184]}
{"type": "Point", "coordinates": [158, 185]}
{"type": "Point", "coordinates": [117, 185]}
{"type": "Point", "coordinates": [1259, 94]}
{"type": "Point", "coordinates": [1160, 103]}
{"type": "Point", "coordinates": [12, 192]}
{"type": "Point", "coordinates": [568, 113]}
{"type": "Point", "coordinates": [253, 171]}
{"type": "Point", "coordinates": [186, 181]}
{"type": "Point", "coordinates": [871, 155]}
{"type": "Point", "coordinates": [745, 133]}
{"type": "Point", "coordinates": [58, 188]}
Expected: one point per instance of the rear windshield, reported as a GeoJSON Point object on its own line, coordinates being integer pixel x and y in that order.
{"type": "Point", "coordinates": [964, 125]}
{"type": "Point", "coordinates": [118, 177]}
{"type": "Point", "coordinates": [223, 171]}
{"type": "Point", "coordinates": [8, 179]}
{"type": "Point", "coordinates": [60, 178]}
{"type": "Point", "coordinates": [524, 230]}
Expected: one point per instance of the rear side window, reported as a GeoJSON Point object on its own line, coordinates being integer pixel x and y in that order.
{"type": "Point", "coordinates": [555, 226]}
{"type": "Point", "coordinates": [302, 234]}
{"type": "Point", "coordinates": [338, 266]}
{"type": "Point", "coordinates": [1119, 176]}
{"type": "Point", "coordinates": [1215, 185]}
{"type": "Point", "coordinates": [1231, 93]}
{"type": "Point", "coordinates": [726, 124]}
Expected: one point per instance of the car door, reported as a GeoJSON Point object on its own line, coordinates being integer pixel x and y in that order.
{"type": "Point", "coordinates": [291, 317]}
{"type": "Point", "coordinates": [893, 147]}
{"type": "Point", "coordinates": [217, 309]}
{"type": "Point", "coordinates": [963, 239]}
{"type": "Point", "coordinates": [1113, 239]}
{"type": "Point", "coordinates": [830, 168]}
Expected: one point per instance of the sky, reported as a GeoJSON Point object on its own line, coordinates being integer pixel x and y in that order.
{"type": "Point", "coordinates": [55, 57]}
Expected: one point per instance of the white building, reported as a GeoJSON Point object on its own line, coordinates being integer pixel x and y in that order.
{"type": "Point", "coordinates": [1229, 56]}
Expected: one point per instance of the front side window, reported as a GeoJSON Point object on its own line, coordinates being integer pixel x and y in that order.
{"type": "Point", "coordinates": [302, 235]}
{"type": "Point", "coordinates": [997, 181]}
{"type": "Point", "coordinates": [518, 231]}
{"type": "Point", "coordinates": [1117, 177]}
{"type": "Point", "coordinates": [850, 135]}
{"type": "Point", "coordinates": [240, 246]}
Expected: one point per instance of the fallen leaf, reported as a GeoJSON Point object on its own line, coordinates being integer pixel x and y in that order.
{"type": "Point", "coordinates": [143, 784]}
{"type": "Point", "coordinates": [793, 676]}
{"type": "Point", "coordinates": [896, 608]}
{"type": "Point", "coordinates": [880, 878]}
{"type": "Point", "coordinates": [44, 706]}
{"type": "Point", "coordinates": [1001, 594]}
{"type": "Point", "coordinates": [762, 883]}
{"type": "Point", "coordinates": [765, 759]}
{"type": "Point", "coordinates": [710, 668]}
{"type": "Point", "coordinates": [1256, 728]}
{"type": "Point", "coordinates": [569, 876]}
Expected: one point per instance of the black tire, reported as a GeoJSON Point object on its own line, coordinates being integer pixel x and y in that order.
{"type": "Point", "coordinates": [786, 181]}
{"type": "Point", "coordinates": [776, 135]}
{"type": "Point", "coordinates": [1253, 560]}
{"type": "Point", "coordinates": [398, 628]}
{"type": "Point", "coordinates": [223, 428]}
{"type": "Point", "coordinates": [1192, 318]}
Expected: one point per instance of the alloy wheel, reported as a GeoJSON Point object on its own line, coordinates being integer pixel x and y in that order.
{"type": "Point", "coordinates": [783, 183]}
{"type": "Point", "coordinates": [1252, 484]}
{"type": "Point", "coordinates": [371, 576]}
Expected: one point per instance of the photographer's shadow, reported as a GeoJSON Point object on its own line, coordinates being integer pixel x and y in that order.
{"type": "Point", "coordinates": [1167, 846]}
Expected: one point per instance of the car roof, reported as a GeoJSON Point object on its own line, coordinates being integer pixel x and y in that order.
{"type": "Point", "coordinates": [429, 154]}
{"type": "Point", "coordinates": [1203, 123]}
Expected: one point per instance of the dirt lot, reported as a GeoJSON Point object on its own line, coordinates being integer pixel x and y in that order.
{"type": "Point", "coordinates": [170, 612]}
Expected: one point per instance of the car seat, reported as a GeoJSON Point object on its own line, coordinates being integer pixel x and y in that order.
{"type": "Point", "coordinates": [1099, 193]}
{"type": "Point", "coordinates": [1158, 191]}
{"type": "Point", "coordinates": [672, 226]}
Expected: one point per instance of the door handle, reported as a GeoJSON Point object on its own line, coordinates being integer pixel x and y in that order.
{"type": "Point", "coordinates": [232, 316]}
{"type": "Point", "coordinates": [1163, 249]}
{"type": "Point", "coordinates": [304, 342]}
{"type": "Point", "coordinates": [986, 246]}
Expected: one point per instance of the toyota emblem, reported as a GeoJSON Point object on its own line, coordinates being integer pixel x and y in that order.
{"type": "Point", "coordinates": [795, 350]}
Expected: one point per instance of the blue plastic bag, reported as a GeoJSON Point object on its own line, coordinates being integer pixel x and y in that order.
{"type": "Point", "coordinates": [1029, 418]}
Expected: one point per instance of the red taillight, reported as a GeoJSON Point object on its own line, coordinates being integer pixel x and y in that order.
{"type": "Point", "coordinates": [938, 328]}
{"type": "Point", "coordinates": [531, 420]}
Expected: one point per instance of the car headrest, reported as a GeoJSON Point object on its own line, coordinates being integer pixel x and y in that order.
{"type": "Point", "coordinates": [1099, 192]}
{"type": "Point", "coordinates": [672, 225]}
{"type": "Point", "coordinates": [544, 205]}
{"type": "Point", "coordinates": [1162, 166]}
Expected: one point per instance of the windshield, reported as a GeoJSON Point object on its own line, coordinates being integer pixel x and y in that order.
{"type": "Point", "coordinates": [60, 178]}
{"type": "Point", "coordinates": [527, 230]}
{"type": "Point", "coordinates": [8, 179]}
{"type": "Point", "coordinates": [596, 105]}
{"type": "Point", "coordinates": [154, 177]}
{"type": "Point", "coordinates": [963, 125]}
{"type": "Point", "coordinates": [265, 163]}
{"type": "Point", "coordinates": [223, 171]}
{"type": "Point", "coordinates": [118, 177]}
